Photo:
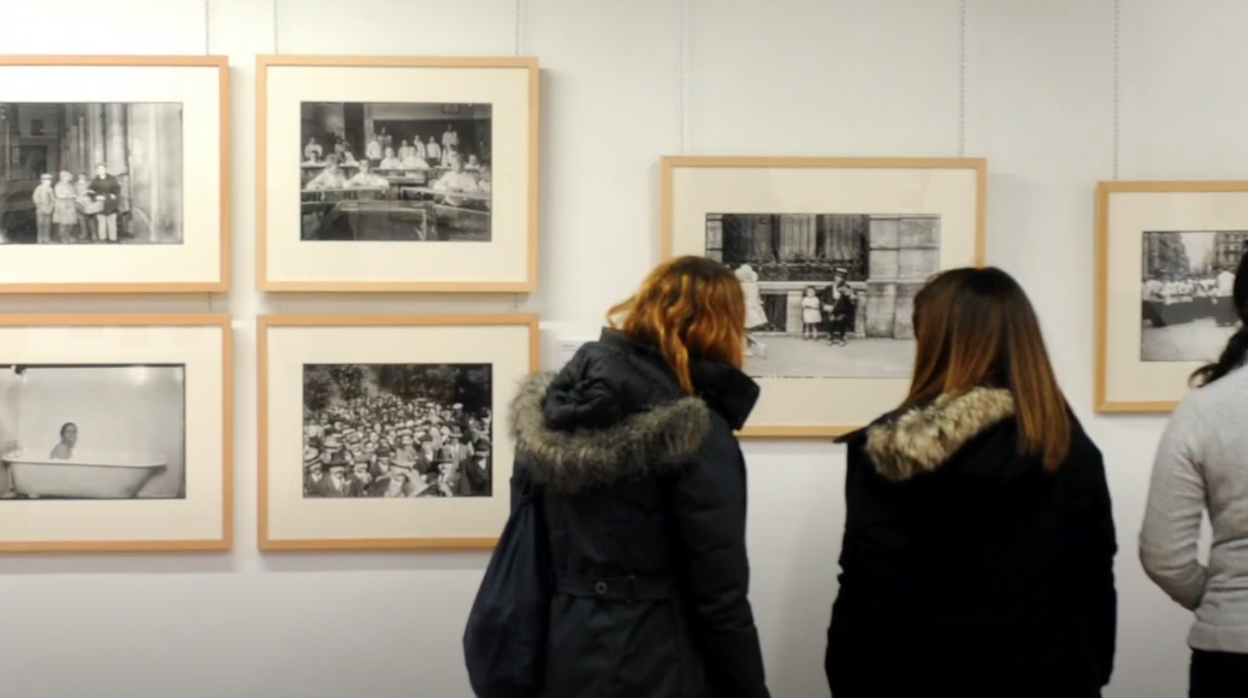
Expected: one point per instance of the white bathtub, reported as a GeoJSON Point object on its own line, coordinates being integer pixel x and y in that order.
{"type": "Point", "coordinates": [88, 475]}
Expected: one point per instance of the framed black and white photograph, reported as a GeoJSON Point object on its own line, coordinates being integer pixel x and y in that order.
{"type": "Point", "coordinates": [392, 152]}
{"type": "Point", "coordinates": [102, 189]}
{"type": "Point", "coordinates": [1187, 283]}
{"type": "Point", "coordinates": [93, 432]}
{"type": "Point", "coordinates": [91, 174]}
{"type": "Point", "coordinates": [397, 430]}
{"type": "Point", "coordinates": [379, 432]}
{"type": "Point", "coordinates": [815, 305]}
{"type": "Point", "coordinates": [1166, 259]}
{"type": "Point", "coordinates": [830, 253]}
{"type": "Point", "coordinates": [395, 172]}
{"type": "Point", "coordinates": [114, 433]}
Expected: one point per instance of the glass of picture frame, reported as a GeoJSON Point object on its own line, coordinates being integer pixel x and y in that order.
{"type": "Point", "coordinates": [1166, 256]}
{"type": "Point", "coordinates": [115, 433]}
{"type": "Point", "coordinates": [103, 189]}
{"type": "Point", "coordinates": [830, 252]}
{"type": "Point", "coordinates": [380, 432]}
{"type": "Point", "coordinates": [396, 174]}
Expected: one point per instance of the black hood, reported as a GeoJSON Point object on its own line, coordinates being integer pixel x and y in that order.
{"type": "Point", "coordinates": [616, 412]}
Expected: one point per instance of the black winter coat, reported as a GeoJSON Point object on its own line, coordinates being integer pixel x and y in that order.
{"type": "Point", "coordinates": [966, 569]}
{"type": "Point", "coordinates": [644, 501]}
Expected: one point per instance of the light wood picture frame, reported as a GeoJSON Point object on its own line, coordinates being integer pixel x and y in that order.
{"type": "Point", "coordinates": [114, 174]}
{"type": "Point", "coordinates": [116, 433]}
{"type": "Point", "coordinates": [378, 432]}
{"type": "Point", "coordinates": [375, 211]}
{"type": "Point", "coordinates": [1166, 253]}
{"type": "Point", "coordinates": [831, 252]}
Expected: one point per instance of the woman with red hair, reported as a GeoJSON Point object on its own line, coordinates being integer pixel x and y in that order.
{"type": "Point", "coordinates": [643, 496]}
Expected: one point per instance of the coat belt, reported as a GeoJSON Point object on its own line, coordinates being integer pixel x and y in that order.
{"type": "Point", "coordinates": [627, 589]}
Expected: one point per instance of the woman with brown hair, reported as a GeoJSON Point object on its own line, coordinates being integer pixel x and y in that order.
{"type": "Point", "coordinates": [643, 496]}
{"type": "Point", "coordinates": [978, 551]}
{"type": "Point", "coordinates": [1202, 467]}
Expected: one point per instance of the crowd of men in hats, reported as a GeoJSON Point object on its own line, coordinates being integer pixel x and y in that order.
{"type": "Point", "coordinates": [383, 446]}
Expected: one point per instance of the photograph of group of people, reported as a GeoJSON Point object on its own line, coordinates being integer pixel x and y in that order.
{"type": "Point", "coordinates": [397, 430]}
{"type": "Point", "coordinates": [1187, 308]}
{"type": "Point", "coordinates": [396, 171]}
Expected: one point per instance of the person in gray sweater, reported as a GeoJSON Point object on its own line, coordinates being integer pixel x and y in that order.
{"type": "Point", "coordinates": [1202, 462]}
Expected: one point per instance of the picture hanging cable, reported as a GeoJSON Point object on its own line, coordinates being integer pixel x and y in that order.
{"type": "Point", "coordinates": [962, 80]}
{"type": "Point", "coordinates": [276, 16]}
{"type": "Point", "coordinates": [519, 23]}
{"type": "Point", "coordinates": [207, 27]}
{"type": "Point", "coordinates": [681, 77]}
{"type": "Point", "coordinates": [1117, 80]}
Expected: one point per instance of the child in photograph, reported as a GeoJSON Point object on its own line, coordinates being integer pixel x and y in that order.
{"type": "Point", "coordinates": [811, 315]}
{"type": "Point", "coordinates": [45, 205]}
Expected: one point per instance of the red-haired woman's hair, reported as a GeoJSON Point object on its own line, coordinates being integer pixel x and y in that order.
{"type": "Point", "coordinates": [976, 328]}
{"type": "Point", "coordinates": [686, 307]}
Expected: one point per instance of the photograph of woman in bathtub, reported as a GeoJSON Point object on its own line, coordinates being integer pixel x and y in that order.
{"type": "Point", "coordinates": [92, 432]}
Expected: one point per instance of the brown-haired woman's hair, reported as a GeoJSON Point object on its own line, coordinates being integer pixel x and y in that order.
{"type": "Point", "coordinates": [686, 307]}
{"type": "Point", "coordinates": [976, 328]}
{"type": "Point", "coordinates": [1236, 350]}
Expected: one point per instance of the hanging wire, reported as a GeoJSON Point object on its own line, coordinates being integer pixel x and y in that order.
{"type": "Point", "coordinates": [276, 16]}
{"type": "Point", "coordinates": [1117, 80]}
{"type": "Point", "coordinates": [682, 78]}
{"type": "Point", "coordinates": [519, 24]}
{"type": "Point", "coordinates": [962, 81]}
{"type": "Point", "coordinates": [207, 27]}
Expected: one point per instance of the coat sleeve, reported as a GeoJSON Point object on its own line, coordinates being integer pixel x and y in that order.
{"type": "Point", "coordinates": [1095, 576]}
{"type": "Point", "coordinates": [710, 507]}
{"type": "Point", "coordinates": [1169, 538]}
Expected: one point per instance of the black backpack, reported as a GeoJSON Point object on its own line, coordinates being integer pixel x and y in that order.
{"type": "Point", "coordinates": [505, 639]}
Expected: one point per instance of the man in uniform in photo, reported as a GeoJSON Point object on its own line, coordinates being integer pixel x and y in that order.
{"type": "Point", "coordinates": [105, 190]}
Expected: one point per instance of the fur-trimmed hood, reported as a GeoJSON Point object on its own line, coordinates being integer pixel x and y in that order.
{"type": "Point", "coordinates": [921, 438]}
{"type": "Point", "coordinates": [644, 443]}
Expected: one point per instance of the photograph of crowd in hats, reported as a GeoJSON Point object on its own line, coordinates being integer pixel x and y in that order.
{"type": "Point", "coordinates": [397, 430]}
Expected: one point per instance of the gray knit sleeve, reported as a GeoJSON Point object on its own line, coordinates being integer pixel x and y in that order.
{"type": "Point", "coordinates": [1176, 501]}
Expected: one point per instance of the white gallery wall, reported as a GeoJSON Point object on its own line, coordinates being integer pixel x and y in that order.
{"type": "Point", "coordinates": [624, 82]}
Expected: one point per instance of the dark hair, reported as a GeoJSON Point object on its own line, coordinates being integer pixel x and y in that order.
{"type": "Point", "coordinates": [687, 306]}
{"type": "Point", "coordinates": [67, 425]}
{"type": "Point", "coordinates": [976, 328]}
{"type": "Point", "coordinates": [1237, 347]}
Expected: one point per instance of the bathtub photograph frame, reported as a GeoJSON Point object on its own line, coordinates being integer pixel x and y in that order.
{"type": "Point", "coordinates": [195, 514]}
{"type": "Point", "coordinates": [292, 448]}
{"type": "Point", "coordinates": [133, 115]}
{"type": "Point", "coordinates": [879, 226]}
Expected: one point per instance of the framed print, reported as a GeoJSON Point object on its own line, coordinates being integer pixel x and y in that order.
{"type": "Point", "coordinates": [1166, 255]}
{"type": "Point", "coordinates": [115, 433]}
{"type": "Point", "coordinates": [114, 174]}
{"type": "Point", "coordinates": [379, 432]}
{"type": "Point", "coordinates": [413, 175]}
{"type": "Point", "coordinates": [830, 252]}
